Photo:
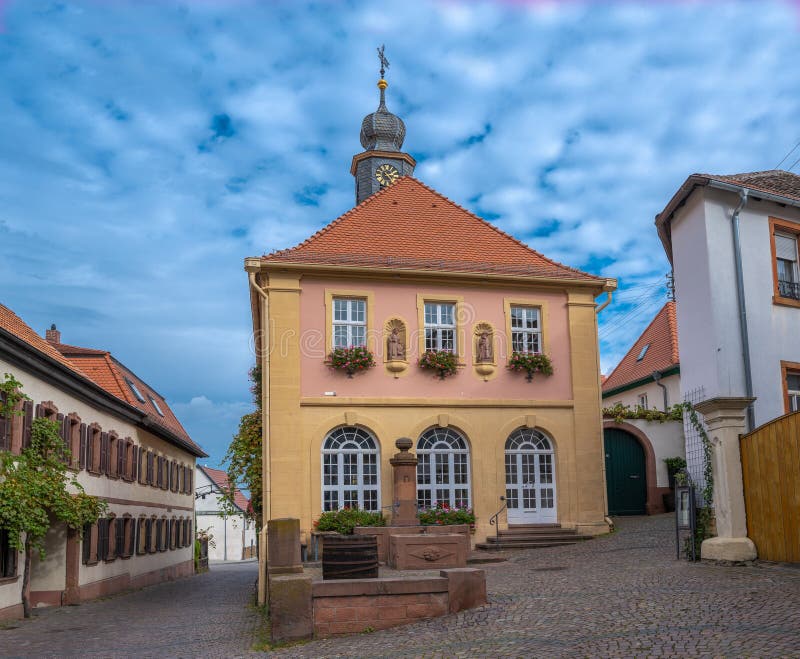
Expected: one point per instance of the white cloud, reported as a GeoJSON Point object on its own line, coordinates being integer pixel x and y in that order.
{"type": "Point", "coordinates": [125, 215]}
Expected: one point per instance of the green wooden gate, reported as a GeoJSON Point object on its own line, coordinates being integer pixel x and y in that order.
{"type": "Point", "coordinates": [626, 481]}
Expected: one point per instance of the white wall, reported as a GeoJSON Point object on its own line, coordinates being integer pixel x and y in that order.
{"type": "Point", "coordinates": [655, 394]}
{"type": "Point", "coordinates": [231, 534]}
{"type": "Point", "coordinates": [125, 498]}
{"type": "Point", "coordinates": [707, 309]}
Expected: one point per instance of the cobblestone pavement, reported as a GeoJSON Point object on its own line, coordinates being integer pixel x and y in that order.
{"type": "Point", "coordinates": [619, 595]}
{"type": "Point", "coordinates": [208, 615]}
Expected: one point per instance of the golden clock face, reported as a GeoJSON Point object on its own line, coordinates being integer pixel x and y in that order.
{"type": "Point", "coordinates": [386, 174]}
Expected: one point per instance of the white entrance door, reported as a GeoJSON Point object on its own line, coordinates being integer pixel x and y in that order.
{"type": "Point", "coordinates": [530, 478]}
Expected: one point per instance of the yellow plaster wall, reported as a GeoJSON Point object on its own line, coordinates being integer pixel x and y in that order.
{"type": "Point", "coordinates": [295, 428]}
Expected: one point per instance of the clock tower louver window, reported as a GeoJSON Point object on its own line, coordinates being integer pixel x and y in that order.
{"type": "Point", "coordinates": [382, 133]}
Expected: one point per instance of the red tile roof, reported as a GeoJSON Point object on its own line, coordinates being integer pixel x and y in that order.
{"type": "Point", "coordinates": [661, 336]}
{"type": "Point", "coordinates": [13, 324]}
{"type": "Point", "coordinates": [411, 226]}
{"type": "Point", "coordinates": [113, 376]}
{"type": "Point", "coordinates": [100, 368]}
{"type": "Point", "coordinates": [220, 479]}
{"type": "Point", "coordinates": [773, 181]}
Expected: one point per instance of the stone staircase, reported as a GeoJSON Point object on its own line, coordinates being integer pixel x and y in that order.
{"type": "Point", "coordinates": [531, 536]}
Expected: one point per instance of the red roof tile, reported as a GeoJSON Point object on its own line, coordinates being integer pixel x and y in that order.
{"type": "Point", "coordinates": [113, 376]}
{"type": "Point", "coordinates": [411, 226]}
{"type": "Point", "coordinates": [220, 479]}
{"type": "Point", "coordinates": [661, 336]}
{"type": "Point", "coordinates": [102, 369]}
{"type": "Point", "coordinates": [12, 323]}
{"type": "Point", "coordinates": [773, 181]}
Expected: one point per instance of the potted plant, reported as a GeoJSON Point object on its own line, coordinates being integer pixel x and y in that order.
{"type": "Point", "coordinates": [443, 361]}
{"type": "Point", "coordinates": [443, 515]}
{"type": "Point", "coordinates": [531, 363]}
{"type": "Point", "coordinates": [674, 465]}
{"type": "Point", "coordinates": [352, 359]}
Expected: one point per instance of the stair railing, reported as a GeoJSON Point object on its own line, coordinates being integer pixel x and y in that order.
{"type": "Point", "coordinates": [494, 520]}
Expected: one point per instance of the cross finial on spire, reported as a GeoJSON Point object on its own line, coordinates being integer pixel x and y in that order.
{"type": "Point", "coordinates": [383, 60]}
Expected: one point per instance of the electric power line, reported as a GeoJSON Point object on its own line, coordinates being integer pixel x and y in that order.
{"type": "Point", "coordinates": [787, 155]}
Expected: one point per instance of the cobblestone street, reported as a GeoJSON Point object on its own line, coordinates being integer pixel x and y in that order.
{"type": "Point", "coordinates": [208, 615]}
{"type": "Point", "coordinates": [620, 595]}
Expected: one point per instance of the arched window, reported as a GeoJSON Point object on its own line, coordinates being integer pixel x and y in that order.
{"type": "Point", "coordinates": [350, 470]}
{"type": "Point", "coordinates": [442, 469]}
{"type": "Point", "coordinates": [530, 477]}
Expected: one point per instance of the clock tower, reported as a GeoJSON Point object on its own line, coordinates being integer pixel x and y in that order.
{"type": "Point", "coordinates": [382, 133]}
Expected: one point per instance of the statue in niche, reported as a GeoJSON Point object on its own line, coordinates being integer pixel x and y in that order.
{"type": "Point", "coordinates": [396, 348]}
{"type": "Point", "coordinates": [485, 347]}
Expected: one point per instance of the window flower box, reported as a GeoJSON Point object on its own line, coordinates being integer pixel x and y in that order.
{"type": "Point", "coordinates": [443, 361]}
{"type": "Point", "coordinates": [530, 363]}
{"type": "Point", "coordinates": [353, 359]}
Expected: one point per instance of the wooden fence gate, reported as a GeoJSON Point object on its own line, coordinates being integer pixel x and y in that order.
{"type": "Point", "coordinates": [771, 475]}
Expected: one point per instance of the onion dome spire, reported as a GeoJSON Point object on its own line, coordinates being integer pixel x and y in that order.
{"type": "Point", "coordinates": [381, 130]}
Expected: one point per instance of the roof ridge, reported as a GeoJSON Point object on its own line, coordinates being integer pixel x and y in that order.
{"type": "Point", "coordinates": [406, 180]}
{"type": "Point", "coordinates": [500, 231]}
{"type": "Point", "coordinates": [110, 361]}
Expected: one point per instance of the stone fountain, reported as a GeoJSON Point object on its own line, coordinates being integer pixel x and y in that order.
{"type": "Point", "coordinates": [405, 544]}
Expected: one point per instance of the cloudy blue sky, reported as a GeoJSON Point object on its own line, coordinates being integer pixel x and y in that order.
{"type": "Point", "coordinates": [146, 148]}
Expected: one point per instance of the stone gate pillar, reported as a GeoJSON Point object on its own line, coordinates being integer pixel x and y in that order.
{"type": "Point", "coordinates": [725, 419]}
{"type": "Point", "coordinates": [404, 466]}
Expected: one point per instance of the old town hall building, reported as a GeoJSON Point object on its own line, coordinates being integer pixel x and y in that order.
{"type": "Point", "coordinates": [409, 272]}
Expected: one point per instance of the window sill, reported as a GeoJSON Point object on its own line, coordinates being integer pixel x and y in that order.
{"type": "Point", "coordinates": [785, 301]}
{"type": "Point", "coordinates": [91, 563]}
{"type": "Point", "coordinates": [7, 580]}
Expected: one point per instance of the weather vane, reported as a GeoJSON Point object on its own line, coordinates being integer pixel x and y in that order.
{"type": "Point", "coordinates": [384, 61]}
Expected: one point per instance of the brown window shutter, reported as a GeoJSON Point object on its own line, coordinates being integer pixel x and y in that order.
{"type": "Point", "coordinates": [5, 427]}
{"type": "Point", "coordinates": [82, 444]}
{"type": "Point", "coordinates": [134, 461]}
{"type": "Point", "coordinates": [27, 423]}
{"type": "Point", "coordinates": [103, 452]}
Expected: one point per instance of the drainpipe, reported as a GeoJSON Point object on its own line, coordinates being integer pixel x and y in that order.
{"type": "Point", "coordinates": [737, 255]}
{"type": "Point", "coordinates": [266, 481]}
{"type": "Point", "coordinates": [657, 380]}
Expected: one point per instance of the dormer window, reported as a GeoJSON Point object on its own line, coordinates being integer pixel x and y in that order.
{"type": "Point", "coordinates": [155, 404]}
{"type": "Point", "coordinates": [135, 390]}
{"type": "Point", "coordinates": [643, 352]}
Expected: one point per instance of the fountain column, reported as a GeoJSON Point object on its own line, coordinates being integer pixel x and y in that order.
{"type": "Point", "coordinates": [404, 467]}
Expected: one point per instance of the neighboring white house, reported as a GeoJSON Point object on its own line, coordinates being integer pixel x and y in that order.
{"type": "Point", "coordinates": [234, 535]}
{"type": "Point", "coordinates": [733, 244]}
{"type": "Point", "coordinates": [648, 376]}
{"type": "Point", "coordinates": [127, 447]}
{"type": "Point", "coordinates": [738, 297]}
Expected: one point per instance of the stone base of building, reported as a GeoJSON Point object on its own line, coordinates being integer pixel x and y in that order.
{"type": "Point", "coordinates": [13, 612]}
{"type": "Point", "coordinates": [593, 528]}
{"type": "Point", "coordinates": [728, 550]}
{"type": "Point", "coordinates": [103, 588]}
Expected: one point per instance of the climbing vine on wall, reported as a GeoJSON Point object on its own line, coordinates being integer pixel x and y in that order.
{"type": "Point", "coordinates": [705, 514]}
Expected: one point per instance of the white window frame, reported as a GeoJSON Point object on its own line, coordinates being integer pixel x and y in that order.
{"type": "Point", "coordinates": [791, 267]}
{"type": "Point", "coordinates": [351, 441]}
{"type": "Point", "coordinates": [450, 449]}
{"type": "Point", "coordinates": [436, 329]}
{"type": "Point", "coordinates": [353, 320]}
{"type": "Point", "coordinates": [521, 334]}
{"type": "Point", "coordinates": [642, 401]}
{"type": "Point", "coordinates": [794, 394]}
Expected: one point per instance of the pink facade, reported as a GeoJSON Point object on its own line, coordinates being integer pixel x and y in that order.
{"type": "Point", "coordinates": [478, 304]}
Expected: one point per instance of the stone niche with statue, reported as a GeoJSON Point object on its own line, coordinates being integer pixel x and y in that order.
{"type": "Point", "coordinates": [396, 346]}
{"type": "Point", "coordinates": [484, 350]}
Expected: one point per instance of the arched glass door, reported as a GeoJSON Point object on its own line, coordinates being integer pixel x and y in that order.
{"type": "Point", "coordinates": [530, 478]}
